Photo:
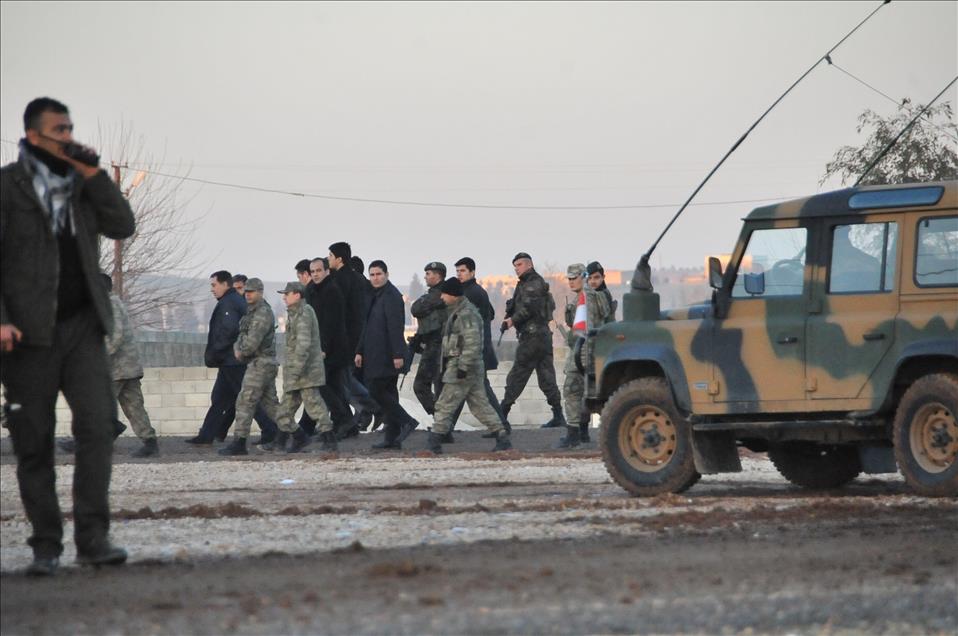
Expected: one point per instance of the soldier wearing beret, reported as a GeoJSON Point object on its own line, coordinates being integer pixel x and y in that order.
{"type": "Point", "coordinates": [463, 371]}
{"type": "Point", "coordinates": [430, 314]}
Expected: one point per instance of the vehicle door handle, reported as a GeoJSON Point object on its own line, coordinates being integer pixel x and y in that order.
{"type": "Point", "coordinates": [788, 340]}
{"type": "Point", "coordinates": [874, 336]}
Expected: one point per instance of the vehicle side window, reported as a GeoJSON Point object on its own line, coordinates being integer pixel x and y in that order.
{"type": "Point", "coordinates": [776, 255]}
{"type": "Point", "coordinates": [863, 258]}
{"type": "Point", "coordinates": [936, 256]}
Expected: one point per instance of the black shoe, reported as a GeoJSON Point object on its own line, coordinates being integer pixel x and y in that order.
{"type": "Point", "coordinates": [363, 419]}
{"type": "Point", "coordinates": [42, 566]}
{"type": "Point", "coordinates": [571, 439]}
{"type": "Point", "coordinates": [68, 445]}
{"type": "Point", "coordinates": [448, 438]}
{"type": "Point", "coordinates": [199, 441]}
{"type": "Point", "coordinates": [107, 554]}
{"type": "Point", "coordinates": [278, 443]}
{"type": "Point", "coordinates": [118, 428]}
{"type": "Point", "coordinates": [236, 447]}
{"type": "Point", "coordinates": [407, 430]}
{"type": "Point", "coordinates": [503, 443]}
{"type": "Point", "coordinates": [434, 443]}
{"type": "Point", "coordinates": [300, 441]}
{"type": "Point", "coordinates": [350, 431]}
{"type": "Point", "coordinates": [377, 421]}
{"type": "Point", "coordinates": [149, 448]}
{"type": "Point", "coordinates": [387, 445]}
{"type": "Point", "coordinates": [328, 442]}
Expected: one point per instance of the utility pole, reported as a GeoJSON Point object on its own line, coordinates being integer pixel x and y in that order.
{"type": "Point", "coordinates": [118, 243]}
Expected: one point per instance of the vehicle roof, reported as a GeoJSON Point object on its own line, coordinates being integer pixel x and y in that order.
{"type": "Point", "coordinates": [837, 203]}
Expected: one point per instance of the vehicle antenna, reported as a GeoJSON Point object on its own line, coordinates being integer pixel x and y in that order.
{"type": "Point", "coordinates": [881, 154]}
{"type": "Point", "coordinates": [642, 279]}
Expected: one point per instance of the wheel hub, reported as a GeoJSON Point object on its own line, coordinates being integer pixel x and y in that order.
{"type": "Point", "coordinates": [934, 437]}
{"type": "Point", "coordinates": [647, 438]}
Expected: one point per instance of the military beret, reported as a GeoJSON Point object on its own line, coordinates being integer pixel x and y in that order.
{"type": "Point", "coordinates": [435, 266]}
{"type": "Point", "coordinates": [594, 267]}
{"type": "Point", "coordinates": [254, 284]}
{"type": "Point", "coordinates": [576, 270]}
{"type": "Point", "coordinates": [294, 286]}
{"type": "Point", "coordinates": [452, 286]}
{"type": "Point", "coordinates": [521, 255]}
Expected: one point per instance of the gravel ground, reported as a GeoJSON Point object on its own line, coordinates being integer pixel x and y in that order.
{"type": "Point", "coordinates": [531, 541]}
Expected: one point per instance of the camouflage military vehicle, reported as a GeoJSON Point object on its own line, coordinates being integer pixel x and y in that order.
{"type": "Point", "coordinates": [830, 341]}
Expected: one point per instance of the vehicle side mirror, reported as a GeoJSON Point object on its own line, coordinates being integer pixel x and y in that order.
{"type": "Point", "coordinates": [715, 273]}
{"type": "Point", "coordinates": [755, 284]}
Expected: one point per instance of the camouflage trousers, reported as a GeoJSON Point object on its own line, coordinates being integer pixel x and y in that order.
{"type": "Point", "coordinates": [428, 384]}
{"type": "Point", "coordinates": [573, 392]}
{"type": "Point", "coordinates": [312, 400]}
{"type": "Point", "coordinates": [130, 396]}
{"type": "Point", "coordinates": [472, 391]}
{"type": "Point", "coordinates": [259, 387]}
{"type": "Point", "coordinates": [534, 353]}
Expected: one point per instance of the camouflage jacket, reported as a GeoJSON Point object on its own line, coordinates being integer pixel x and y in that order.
{"type": "Point", "coordinates": [256, 342]}
{"type": "Point", "coordinates": [462, 342]}
{"type": "Point", "coordinates": [430, 312]}
{"type": "Point", "coordinates": [120, 346]}
{"type": "Point", "coordinates": [304, 352]}
{"type": "Point", "coordinates": [532, 304]}
{"type": "Point", "coordinates": [598, 311]}
{"type": "Point", "coordinates": [613, 304]}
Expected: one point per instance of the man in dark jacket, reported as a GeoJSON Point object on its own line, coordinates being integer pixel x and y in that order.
{"type": "Point", "coordinates": [382, 354]}
{"type": "Point", "coordinates": [356, 302]}
{"type": "Point", "coordinates": [54, 313]}
{"type": "Point", "coordinates": [473, 291]}
{"type": "Point", "coordinates": [223, 331]}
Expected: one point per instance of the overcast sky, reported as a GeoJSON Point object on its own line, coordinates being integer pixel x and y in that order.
{"type": "Point", "coordinates": [528, 104]}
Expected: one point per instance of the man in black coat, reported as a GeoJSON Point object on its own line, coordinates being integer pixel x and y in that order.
{"type": "Point", "coordinates": [54, 313]}
{"type": "Point", "coordinates": [472, 290]}
{"type": "Point", "coordinates": [354, 289]}
{"type": "Point", "coordinates": [382, 354]}
{"type": "Point", "coordinates": [223, 332]}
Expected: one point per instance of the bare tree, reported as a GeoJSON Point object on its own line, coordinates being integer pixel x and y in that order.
{"type": "Point", "coordinates": [151, 269]}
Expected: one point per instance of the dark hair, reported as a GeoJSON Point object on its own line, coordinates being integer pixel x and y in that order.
{"type": "Point", "coordinates": [31, 116]}
{"type": "Point", "coordinates": [107, 281]}
{"type": "Point", "coordinates": [380, 264]}
{"type": "Point", "coordinates": [302, 266]}
{"type": "Point", "coordinates": [323, 260]}
{"type": "Point", "coordinates": [341, 250]}
{"type": "Point", "coordinates": [357, 264]}
{"type": "Point", "coordinates": [239, 278]}
{"type": "Point", "coordinates": [222, 276]}
{"type": "Point", "coordinates": [593, 267]}
{"type": "Point", "coordinates": [468, 262]}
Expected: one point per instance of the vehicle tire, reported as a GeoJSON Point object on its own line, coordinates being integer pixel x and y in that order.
{"type": "Point", "coordinates": [646, 443]}
{"type": "Point", "coordinates": [814, 465]}
{"type": "Point", "coordinates": [925, 435]}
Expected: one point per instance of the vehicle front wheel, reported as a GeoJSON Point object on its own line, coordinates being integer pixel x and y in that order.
{"type": "Point", "coordinates": [812, 465]}
{"type": "Point", "coordinates": [926, 435]}
{"type": "Point", "coordinates": [646, 443]}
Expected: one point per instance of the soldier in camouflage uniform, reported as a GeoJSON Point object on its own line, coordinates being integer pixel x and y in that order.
{"type": "Point", "coordinates": [596, 278]}
{"type": "Point", "coordinates": [256, 347]}
{"type": "Point", "coordinates": [530, 311]}
{"type": "Point", "coordinates": [127, 372]}
{"type": "Point", "coordinates": [597, 311]}
{"type": "Point", "coordinates": [463, 370]}
{"type": "Point", "coordinates": [430, 314]}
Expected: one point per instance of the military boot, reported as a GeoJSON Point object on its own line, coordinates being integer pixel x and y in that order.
{"type": "Point", "coordinates": [584, 432]}
{"type": "Point", "coordinates": [505, 423]}
{"type": "Point", "coordinates": [558, 419]}
{"type": "Point", "coordinates": [448, 438]}
{"type": "Point", "coordinates": [571, 439]}
{"type": "Point", "coordinates": [278, 443]}
{"type": "Point", "coordinates": [300, 441]}
{"type": "Point", "coordinates": [236, 447]}
{"type": "Point", "coordinates": [503, 443]}
{"type": "Point", "coordinates": [434, 443]}
{"type": "Point", "coordinates": [328, 440]}
{"type": "Point", "coordinates": [149, 449]}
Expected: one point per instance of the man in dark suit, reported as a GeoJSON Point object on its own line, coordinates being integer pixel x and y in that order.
{"type": "Point", "coordinates": [381, 355]}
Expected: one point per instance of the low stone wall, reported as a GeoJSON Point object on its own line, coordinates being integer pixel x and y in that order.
{"type": "Point", "coordinates": [177, 398]}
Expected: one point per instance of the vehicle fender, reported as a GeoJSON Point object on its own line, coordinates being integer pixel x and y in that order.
{"type": "Point", "coordinates": [662, 355]}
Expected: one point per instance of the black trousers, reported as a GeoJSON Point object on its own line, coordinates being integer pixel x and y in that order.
{"type": "Point", "coordinates": [222, 411]}
{"type": "Point", "coordinates": [77, 365]}
{"type": "Point", "coordinates": [386, 393]}
{"type": "Point", "coordinates": [334, 396]}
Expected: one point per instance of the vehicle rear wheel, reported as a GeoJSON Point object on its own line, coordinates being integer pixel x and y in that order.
{"type": "Point", "coordinates": [926, 435]}
{"type": "Point", "coordinates": [646, 443]}
{"type": "Point", "coordinates": [813, 465]}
